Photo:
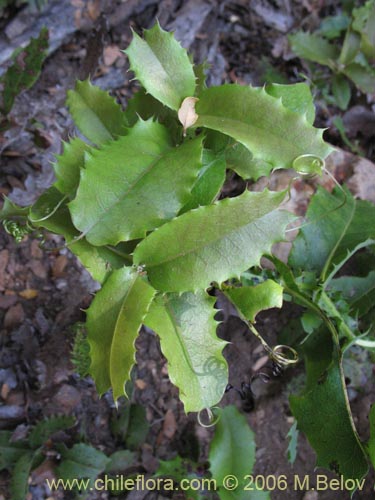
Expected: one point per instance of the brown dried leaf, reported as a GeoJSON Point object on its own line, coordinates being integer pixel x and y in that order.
{"type": "Point", "coordinates": [170, 425]}
{"type": "Point", "coordinates": [187, 114]}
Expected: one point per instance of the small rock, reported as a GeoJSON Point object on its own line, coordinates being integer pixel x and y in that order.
{"type": "Point", "coordinates": [310, 495]}
{"type": "Point", "coordinates": [14, 316]}
{"type": "Point", "coordinates": [6, 301]}
{"type": "Point", "coordinates": [59, 266]}
{"type": "Point", "coordinates": [38, 269]}
{"type": "Point", "coordinates": [140, 384]}
{"type": "Point", "coordinates": [66, 399]}
{"type": "Point", "coordinates": [169, 425]}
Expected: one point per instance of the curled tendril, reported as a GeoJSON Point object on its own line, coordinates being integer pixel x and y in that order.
{"type": "Point", "coordinates": [308, 165]}
{"type": "Point", "coordinates": [17, 230]}
{"type": "Point", "coordinates": [212, 419]}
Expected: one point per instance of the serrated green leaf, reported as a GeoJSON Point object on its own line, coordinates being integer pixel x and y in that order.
{"type": "Point", "coordinates": [131, 426]}
{"type": "Point", "coordinates": [99, 261]}
{"type": "Point", "coordinates": [81, 461]}
{"type": "Point", "coordinates": [341, 91]}
{"type": "Point", "coordinates": [358, 291]}
{"type": "Point", "coordinates": [250, 300]}
{"type": "Point", "coordinates": [19, 482]}
{"type": "Point", "coordinates": [120, 461]}
{"type": "Point", "coordinates": [350, 47]}
{"type": "Point", "coordinates": [313, 48]}
{"type": "Point", "coordinates": [338, 224]}
{"type": "Point", "coordinates": [362, 75]}
{"type": "Point", "coordinates": [68, 166]}
{"type": "Point", "coordinates": [210, 180]}
{"type": "Point", "coordinates": [143, 105]}
{"type": "Point", "coordinates": [134, 184]}
{"type": "Point", "coordinates": [95, 113]}
{"type": "Point", "coordinates": [240, 160]}
{"type": "Point", "coordinates": [113, 321]}
{"type": "Point", "coordinates": [323, 413]}
{"type": "Point", "coordinates": [364, 24]}
{"type": "Point", "coordinates": [213, 243]}
{"type": "Point", "coordinates": [25, 70]}
{"type": "Point", "coordinates": [332, 26]}
{"type": "Point", "coordinates": [187, 331]}
{"type": "Point", "coordinates": [10, 209]}
{"type": "Point", "coordinates": [297, 97]}
{"type": "Point", "coordinates": [232, 453]}
{"type": "Point", "coordinates": [259, 122]}
{"type": "Point", "coordinates": [10, 452]}
{"type": "Point", "coordinates": [162, 66]}
{"type": "Point", "coordinates": [44, 429]}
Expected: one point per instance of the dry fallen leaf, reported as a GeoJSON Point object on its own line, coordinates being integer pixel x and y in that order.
{"type": "Point", "coordinates": [187, 114]}
{"type": "Point", "coordinates": [170, 425]}
{"type": "Point", "coordinates": [29, 293]}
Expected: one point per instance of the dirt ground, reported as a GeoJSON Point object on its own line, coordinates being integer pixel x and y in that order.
{"type": "Point", "coordinates": [44, 291]}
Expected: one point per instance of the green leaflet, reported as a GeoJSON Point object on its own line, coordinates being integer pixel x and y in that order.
{"type": "Point", "coordinates": [323, 412]}
{"type": "Point", "coordinates": [10, 210]}
{"type": "Point", "coordinates": [99, 261]}
{"type": "Point", "coordinates": [358, 291]}
{"type": "Point", "coordinates": [232, 453]}
{"type": "Point", "coordinates": [81, 461]}
{"type": "Point", "coordinates": [363, 75]}
{"type": "Point", "coordinates": [313, 48]}
{"type": "Point", "coordinates": [187, 330]}
{"type": "Point", "coordinates": [45, 428]}
{"type": "Point", "coordinates": [25, 70]}
{"type": "Point", "coordinates": [334, 230]}
{"type": "Point", "coordinates": [213, 243]}
{"type": "Point", "coordinates": [95, 112]}
{"type": "Point", "coordinates": [250, 300]}
{"type": "Point", "coordinates": [273, 133]}
{"type": "Point", "coordinates": [296, 97]}
{"type": "Point", "coordinates": [364, 24]}
{"type": "Point", "coordinates": [134, 184]}
{"type": "Point", "coordinates": [20, 476]}
{"type": "Point", "coordinates": [68, 166]}
{"type": "Point", "coordinates": [209, 183]}
{"type": "Point", "coordinates": [341, 91]}
{"type": "Point", "coordinates": [10, 452]}
{"type": "Point", "coordinates": [113, 321]}
{"type": "Point", "coordinates": [162, 66]}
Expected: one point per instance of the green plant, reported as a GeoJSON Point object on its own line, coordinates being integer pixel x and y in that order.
{"type": "Point", "coordinates": [137, 203]}
{"type": "Point", "coordinates": [352, 62]}
{"type": "Point", "coordinates": [22, 456]}
{"type": "Point", "coordinates": [23, 72]}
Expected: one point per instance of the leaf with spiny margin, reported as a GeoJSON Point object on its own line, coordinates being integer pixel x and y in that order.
{"type": "Point", "coordinates": [99, 261]}
{"type": "Point", "coordinates": [313, 48]}
{"type": "Point", "coordinates": [95, 113]}
{"type": "Point", "coordinates": [10, 451]}
{"type": "Point", "coordinates": [44, 429]}
{"type": "Point", "coordinates": [162, 66]}
{"type": "Point", "coordinates": [187, 331]}
{"type": "Point", "coordinates": [232, 453]}
{"type": "Point", "coordinates": [81, 461]}
{"type": "Point", "coordinates": [210, 180]}
{"type": "Point", "coordinates": [143, 105]}
{"type": "Point", "coordinates": [213, 243]}
{"type": "Point", "coordinates": [323, 412]}
{"type": "Point", "coordinates": [250, 300]}
{"type": "Point", "coordinates": [134, 184]}
{"type": "Point", "coordinates": [338, 223]}
{"type": "Point", "coordinates": [297, 97]}
{"type": "Point", "coordinates": [20, 476]}
{"type": "Point", "coordinates": [240, 160]}
{"type": "Point", "coordinates": [357, 290]}
{"type": "Point", "coordinates": [113, 321]}
{"type": "Point", "coordinates": [10, 210]}
{"type": "Point", "coordinates": [363, 76]}
{"type": "Point", "coordinates": [272, 132]}
{"type": "Point", "coordinates": [25, 70]}
{"type": "Point", "coordinates": [68, 166]}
